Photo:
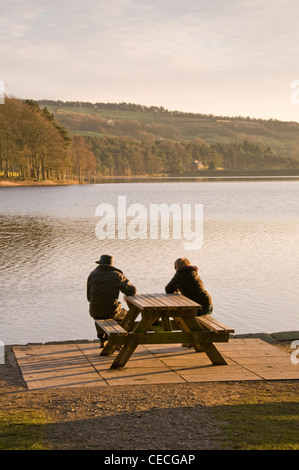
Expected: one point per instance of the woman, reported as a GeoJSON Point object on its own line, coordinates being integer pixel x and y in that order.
{"type": "Point", "coordinates": [187, 281]}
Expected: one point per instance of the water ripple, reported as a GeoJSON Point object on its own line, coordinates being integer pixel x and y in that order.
{"type": "Point", "coordinates": [249, 259]}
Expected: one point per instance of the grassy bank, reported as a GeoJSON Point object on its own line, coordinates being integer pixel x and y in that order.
{"type": "Point", "coordinates": [23, 430]}
{"type": "Point", "coordinates": [260, 422]}
{"type": "Point", "coordinates": [261, 418]}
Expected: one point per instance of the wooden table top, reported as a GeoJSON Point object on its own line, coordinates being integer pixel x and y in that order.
{"type": "Point", "coordinates": [162, 302]}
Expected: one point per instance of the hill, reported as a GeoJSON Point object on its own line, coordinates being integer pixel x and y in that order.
{"type": "Point", "coordinates": [70, 141]}
{"type": "Point", "coordinates": [149, 124]}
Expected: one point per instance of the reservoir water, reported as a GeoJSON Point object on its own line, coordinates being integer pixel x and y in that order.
{"type": "Point", "coordinates": [248, 260]}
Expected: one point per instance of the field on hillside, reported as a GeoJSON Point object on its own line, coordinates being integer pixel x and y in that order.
{"type": "Point", "coordinates": [282, 137]}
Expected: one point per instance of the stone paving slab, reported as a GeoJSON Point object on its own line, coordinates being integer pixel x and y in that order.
{"type": "Point", "coordinates": [80, 364]}
{"type": "Point", "coordinates": [59, 365]}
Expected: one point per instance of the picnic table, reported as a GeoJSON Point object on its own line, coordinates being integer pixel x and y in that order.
{"type": "Point", "coordinates": [163, 318]}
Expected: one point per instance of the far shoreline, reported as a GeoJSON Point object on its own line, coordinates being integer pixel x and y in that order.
{"type": "Point", "coordinates": [200, 175]}
{"type": "Point", "coordinates": [10, 183]}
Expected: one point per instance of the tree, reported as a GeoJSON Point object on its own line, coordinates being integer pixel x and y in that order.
{"type": "Point", "coordinates": [30, 141]}
{"type": "Point", "coordinates": [82, 158]}
{"type": "Point", "coordinates": [44, 144]}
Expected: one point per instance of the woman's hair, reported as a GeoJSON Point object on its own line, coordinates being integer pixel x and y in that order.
{"type": "Point", "coordinates": [180, 262]}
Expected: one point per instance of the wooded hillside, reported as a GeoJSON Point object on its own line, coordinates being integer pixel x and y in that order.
{"type": "Point", "coordinates": [55, 140]}
{"type": "Point", "coordinates": [151, 123]}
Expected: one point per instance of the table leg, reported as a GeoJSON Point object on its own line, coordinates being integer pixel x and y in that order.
{"type": "Point", "coordinates": [128, 349]}
{"type": "Point", "coordinates": [166, 323]}
{"type": "Point", "coordinates": [209, 348]}
{"type": "Point", "coordinates": [180, 322]}
{"type": "Point", "coordinates": [127, 324]}
{"type": "Point", "coordinates": [108, 349]}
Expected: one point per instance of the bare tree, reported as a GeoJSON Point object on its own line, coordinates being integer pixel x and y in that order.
{"type": "Point", "coordinates": [82, 158]}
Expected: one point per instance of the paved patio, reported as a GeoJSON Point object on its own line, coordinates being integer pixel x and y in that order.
{"type": "Point", "coordinates": [79, 364]}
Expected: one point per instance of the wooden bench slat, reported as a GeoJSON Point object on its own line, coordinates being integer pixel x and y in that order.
{"type": "Point", "coordinates": [213, 324]}
{"type": "Point", "coordinates": [170, 337]}
{"type": "Point", "coordinates": [222, 326]}
{"type": "Point", "coordinates": [119, 329]}
{"type": "Point", "coordinates": [111, 327]}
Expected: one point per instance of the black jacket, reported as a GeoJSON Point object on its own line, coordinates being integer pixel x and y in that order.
{"type": "Point", "coordinates": [188, 283]}
{"type": "Point", "coordinates": [103, 286]}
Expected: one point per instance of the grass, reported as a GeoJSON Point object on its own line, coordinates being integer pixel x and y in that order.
{"type": "Point", "coordinates": [23, 430]}
{"type": "Point", "coordinates": [255, 423]}
{"type": "Point", "coordinates": [104, 113]}
{"type": "Point", "coordinates": [260, 424]}
{"type": "Point", "coordinates": [259, 419]}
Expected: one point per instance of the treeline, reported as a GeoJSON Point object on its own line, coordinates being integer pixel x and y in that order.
{"type": "Point", "coordinates": [160, 110]}
{"type": "Point", "coordinates": [122, 156]}
{"type": "Point", "coordinates": [33, 145]}
{"type": "Point", "coordinates": [112, 106]}
{"type": "Point", "coordinates": [249, 156]}
{"type": "Point", "coordinates": [133, 107]}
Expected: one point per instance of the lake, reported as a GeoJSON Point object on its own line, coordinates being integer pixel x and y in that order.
{"type": "Point", "coordinates": [248, 259]}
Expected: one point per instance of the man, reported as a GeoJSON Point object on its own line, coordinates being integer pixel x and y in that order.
{"type": "Point", "coordinates": [103, 287]}
{"type": "Point", "coordinates": [188, 283]}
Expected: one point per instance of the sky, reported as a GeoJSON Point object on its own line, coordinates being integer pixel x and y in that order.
{"type": "Point", "coordinates": [221, 57]}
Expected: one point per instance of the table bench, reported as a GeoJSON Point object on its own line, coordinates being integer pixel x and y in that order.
{"type": "Point", "coordinates": [165, 319]}
{"type": "Point", "coordinates": [209, 322]}
{"type": "Point", "coordinates": [113, 332]}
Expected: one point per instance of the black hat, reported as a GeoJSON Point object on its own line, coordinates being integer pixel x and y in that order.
{"type": "Point", "coordinates": [105, 259]}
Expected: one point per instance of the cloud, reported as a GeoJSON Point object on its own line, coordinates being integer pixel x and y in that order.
{"type": "Point", "coordinates": [142, 49]}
